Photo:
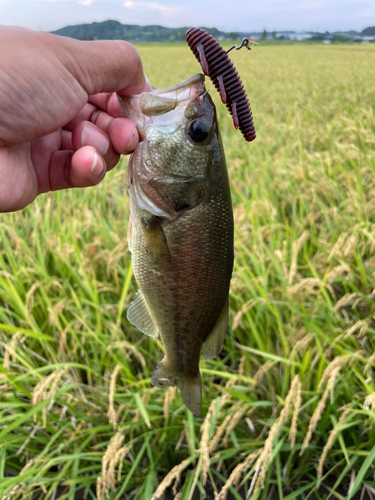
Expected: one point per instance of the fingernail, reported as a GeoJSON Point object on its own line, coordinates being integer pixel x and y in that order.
{"type": "Point", "coordinates": [92, 137]}
{"type": "Point", "coordinates": [130, 140]}
{"type": "Point", "coordinates": [148, 84]}
{"type": "Point", "coordinates": [97, 165]}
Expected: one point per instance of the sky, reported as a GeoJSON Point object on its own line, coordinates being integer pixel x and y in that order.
{"type": "Point", "coordinates": [233, 15]}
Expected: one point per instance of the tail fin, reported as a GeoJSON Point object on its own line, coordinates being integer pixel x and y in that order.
{"type": "Point", "coordinates": [191, 392]}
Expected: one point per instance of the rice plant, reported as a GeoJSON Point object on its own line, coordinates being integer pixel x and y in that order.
{"type": "Point", "coordinates": [289, 405]}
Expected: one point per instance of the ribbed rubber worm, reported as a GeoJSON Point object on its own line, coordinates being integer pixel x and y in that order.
{"type": "Point", "coordinates": [220, 69]}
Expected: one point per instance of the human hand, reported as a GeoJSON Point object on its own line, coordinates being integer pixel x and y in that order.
{"type": "Point", "coordinates": [61, 125]}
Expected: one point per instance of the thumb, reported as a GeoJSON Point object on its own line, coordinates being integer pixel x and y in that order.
{"type": "Point", "coordinates": [104, 66]}
{"type": "Point", "coordinates": [45, 80]}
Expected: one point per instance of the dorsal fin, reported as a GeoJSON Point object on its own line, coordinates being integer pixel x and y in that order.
{"type": "Point", "coordinates": [139, 316]}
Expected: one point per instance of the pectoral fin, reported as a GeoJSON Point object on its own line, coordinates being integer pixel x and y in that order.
{"type": "Point", "coordinates": [214, 342]}
{"type": "Point", "coordinates": [155, 239]}
{"type": "Point", "coordinates": [139, 316]}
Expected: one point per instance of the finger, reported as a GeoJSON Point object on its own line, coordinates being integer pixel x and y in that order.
{"type": "Point", "coordinates": [101, 119]}
{"type": "Point", "coordinates": [148, 87]}
{"type": "Point", "coordinates": [100, 100]}
{"type": "Point", "coordinates": [64, 73]}
{"type": "Point", "coordinates": [92, 114]}
{"type": "Point", "coordinates": [123, 134]}
{"type": "Point", "coordinates": [84, 115]}
{"type": "Point", "coordinates": [66, 140]}
{"type": "Point", "coordinates": [82, 169]}
{"type": "Point", "coordinates": [88, 134]}
{"type": "Point", "coordinates": [114, 107]}
{"type": "Point", "coordinates": [88, 168]}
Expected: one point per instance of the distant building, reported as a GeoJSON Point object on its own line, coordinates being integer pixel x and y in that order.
{"type": "Point", "coordinates": [299, 36]}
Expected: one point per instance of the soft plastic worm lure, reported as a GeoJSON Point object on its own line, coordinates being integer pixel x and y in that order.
{"type": "Point", "coordinates": [217, 65]}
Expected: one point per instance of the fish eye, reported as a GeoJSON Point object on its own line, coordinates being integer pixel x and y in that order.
{"type": "Point", "coordinates": [198, 130]}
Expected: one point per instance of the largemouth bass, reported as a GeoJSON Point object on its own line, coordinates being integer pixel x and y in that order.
{"type": "Point", "coordinates": [181, 230]}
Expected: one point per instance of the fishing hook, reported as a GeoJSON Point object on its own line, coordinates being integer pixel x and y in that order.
{"type": "Point", "coordinates": [245, 43]}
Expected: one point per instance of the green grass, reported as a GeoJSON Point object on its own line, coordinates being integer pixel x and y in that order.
{"type": "Point", "coordinates": [76, 402]}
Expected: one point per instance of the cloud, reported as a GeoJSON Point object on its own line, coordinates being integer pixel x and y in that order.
{"type": "Point", "coordinates": [86, 3]}
{"type": "Point", "coordinates": [164, 10]}
{"type": "Point", "coordinates": [228, 15]}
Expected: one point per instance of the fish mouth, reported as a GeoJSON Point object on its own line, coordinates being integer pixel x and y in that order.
{"type": "Point", "coordinates": [148, 106]}
{"type": "Point", "coordinates": [190, 88]}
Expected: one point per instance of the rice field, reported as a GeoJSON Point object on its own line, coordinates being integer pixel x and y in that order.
{"type": "Point", "coordinates": [289, 406]}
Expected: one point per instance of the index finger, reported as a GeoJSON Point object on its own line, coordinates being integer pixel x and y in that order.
{"type": "Point", "coordinates": [100, 100]}
{"type": "Point", "coordinates": [108, 103]}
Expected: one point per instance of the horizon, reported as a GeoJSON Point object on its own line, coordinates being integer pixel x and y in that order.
{"type": "Point", "coordinates": [215, 27]}
{"type": "Point", "coordinates": [244, 16]}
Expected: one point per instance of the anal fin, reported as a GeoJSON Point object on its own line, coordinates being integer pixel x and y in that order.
{"type": "Point", "coordinates": [139, 316]}
{"type": "Point", "coordinates": [214, 342]}
{"type": "Point", "coordinates": [160, 377]}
